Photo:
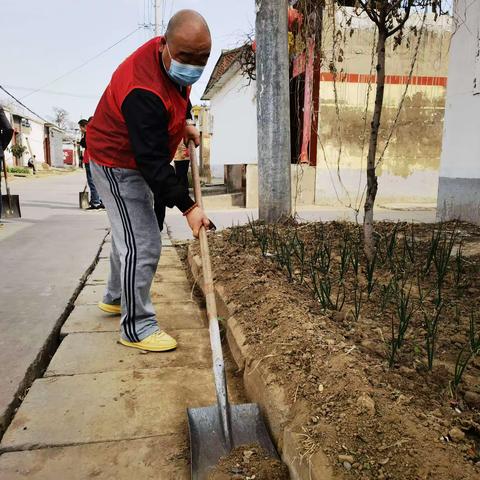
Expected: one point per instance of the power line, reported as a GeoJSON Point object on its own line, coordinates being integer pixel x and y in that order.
{"type": "Point", "coordinates": [82, 65]}
{"type": "Point", "coordinates": [53, 92]}
{"type": "Point", "coordinates": [164, 7]}
{"type": "Point", "coordinates": [22, 104]}
{"type": "Point", "coordinates": [157, 20]}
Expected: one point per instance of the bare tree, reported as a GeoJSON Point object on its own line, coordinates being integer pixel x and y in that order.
{"type": "Point", "coordinates": [60, 117]}
{"type": "Point", "coordinates": [390, 17]}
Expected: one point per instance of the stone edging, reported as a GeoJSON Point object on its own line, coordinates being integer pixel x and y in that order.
{"type": "Point", "coordinates": [284, 426]}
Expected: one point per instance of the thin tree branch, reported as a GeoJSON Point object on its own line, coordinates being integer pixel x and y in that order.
{"type": "Point", "coordinates": [371, 13]}
{"type": "Point", "coordinates": [402, 23]}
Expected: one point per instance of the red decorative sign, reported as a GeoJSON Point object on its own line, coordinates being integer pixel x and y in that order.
{"type": "Point", "coordinates": [67, 156]}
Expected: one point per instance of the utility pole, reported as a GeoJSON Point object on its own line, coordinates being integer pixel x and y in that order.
{"type": "Point", "coordinates": [273, 110]}
{"type": "Point", "coordinates": [158, 17]}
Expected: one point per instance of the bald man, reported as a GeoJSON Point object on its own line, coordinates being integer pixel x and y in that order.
{"type": "Point", "coordinates": [138, 124]}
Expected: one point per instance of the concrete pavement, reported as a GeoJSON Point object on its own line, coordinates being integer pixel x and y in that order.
{"type": "Point", "coordinates": [226, 217]}
{"type": "Point", "coordinates": [105, 411]}
{"type": "Point", "coordinates": [43, 257]}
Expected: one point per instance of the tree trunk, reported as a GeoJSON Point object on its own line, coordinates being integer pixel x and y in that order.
{"type": "Point", "coordinates": [273, 111]}
{"type": "Point", "coordinates": [372, 184]}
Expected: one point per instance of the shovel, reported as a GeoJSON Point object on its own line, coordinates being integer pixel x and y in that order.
{"type": "Point", "coordinates": [10, 203]}
{"type": "Point", "coordinates": [217, 429]}
{"type": "Point", "coordinates": [83, 199]}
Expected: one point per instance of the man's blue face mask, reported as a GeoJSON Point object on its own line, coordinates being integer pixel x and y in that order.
{"type": "Point", "coordinates": [182, 73]}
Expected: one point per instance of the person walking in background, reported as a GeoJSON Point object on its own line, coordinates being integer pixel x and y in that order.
{"type": "Point", "coordinates": [31, 164]}
{"type": "Point", "coordinates": [95, 200]}
{"type": "Point", "coordinates": [6, 134]}
{"type": "Point", "coordinates": [132, 139]}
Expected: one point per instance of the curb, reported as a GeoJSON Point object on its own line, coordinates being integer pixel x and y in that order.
{"type": "Point", "coordinates": [285, 428]}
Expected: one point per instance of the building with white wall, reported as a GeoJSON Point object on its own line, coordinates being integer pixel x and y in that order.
{"type": "Point", "coordinates": [233, 115]}
{"type": "Point", "coordinates": [459, 184]}
{"type": "Point", "coordinates": [44, 140]}
{"type": "Point", "coordinates": [29, 131]}
{"type": "Point", "coordinates": [410, 168]}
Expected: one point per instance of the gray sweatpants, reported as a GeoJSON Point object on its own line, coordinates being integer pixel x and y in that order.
{"type": "Point", "coordinates": [136, 247]}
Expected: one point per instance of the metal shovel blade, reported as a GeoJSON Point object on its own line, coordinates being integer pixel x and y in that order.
{"type": "Point", "coordinates": [83, 200]}
{"type": "Point", "coordinates": [207, 441]}
{"type": "Point", "coordinates": [11, 206]}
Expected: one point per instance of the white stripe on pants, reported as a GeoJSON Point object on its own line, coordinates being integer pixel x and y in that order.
{"type": "Point", "coordinates": [136, 247]}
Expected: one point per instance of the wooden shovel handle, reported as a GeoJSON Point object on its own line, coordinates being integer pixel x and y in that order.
{"type": "Point", "coordinates": [214, 328]}
{"type": "Point", "coordinates": [204, 250]}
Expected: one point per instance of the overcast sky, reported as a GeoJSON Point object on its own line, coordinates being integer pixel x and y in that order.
{"type": "Point", "coordinates": [42, 40]}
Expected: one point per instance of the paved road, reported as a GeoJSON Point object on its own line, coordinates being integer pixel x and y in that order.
{"type": "Point", "coordinates": [225, 218]}
{"type": "Point", "coordinates": [42, 259]}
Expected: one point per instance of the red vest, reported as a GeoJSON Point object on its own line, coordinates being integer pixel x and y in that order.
{"type": "Point", "coordinates": [108, 142]}
{"type": "Point", "coordinates": [86, 156]}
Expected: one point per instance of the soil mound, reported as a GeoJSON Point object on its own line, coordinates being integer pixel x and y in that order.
{"type": "Point", "coordinates": [249, 462]}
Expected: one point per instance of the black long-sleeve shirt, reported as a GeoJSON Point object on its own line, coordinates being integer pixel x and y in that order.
{"type": "Point", "coordinates": [147, 122]}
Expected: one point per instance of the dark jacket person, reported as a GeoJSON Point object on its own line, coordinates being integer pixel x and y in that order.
{"type": "Point", "coordinates": [6, 134]}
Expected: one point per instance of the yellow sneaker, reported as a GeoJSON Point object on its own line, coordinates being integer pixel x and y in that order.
{"type": "Point", "coordinates": [157, 342]}
{"type": "Point", "coordinates": [110, 308]}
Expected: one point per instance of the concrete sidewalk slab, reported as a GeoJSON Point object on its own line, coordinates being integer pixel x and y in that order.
{"type": "Point", "coordinates": [99, 276]}
{"type": "Point", "coordinates": [172, 260]}
{"type": "Point", "coordinates": [101, 282]}
{"type": "Point", "coordinates": [62, 411]}
{"type": "Point", "coordinates": [105, 251]}
{"type": "Point", "coordinates": [164, 275]}
{"type": "Point", "coordinates": [171, 253]}
{"type": "Point", "coordinates": [163, 292]}
{"type": "Point", "coordinates": [166, 242]}
{"type": "Point", "coordinates": [162, 457]}
{"type": "Point", "coordinates": [89, 318]}
{"type": "Point", "coordinates": [171, 275]}
{"type": "Point", "coordinates": [169, 249]}
{"type": "Point", "coordinates": [81, 353]}
{"type": "Point", "coordinates": [107, 248]}
{"type": "Point", "coordinates": [90, 295]}
{"type": "Point", "coordinates": [100, 272]}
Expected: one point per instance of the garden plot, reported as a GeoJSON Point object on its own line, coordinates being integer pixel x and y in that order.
{"type": "Point", "coordinates": [380, 359]}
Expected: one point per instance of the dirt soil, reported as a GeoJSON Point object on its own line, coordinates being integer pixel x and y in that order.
{"type": "Point", "coordinates": [249, 462]}
{"type": "Point", "coordinates": [376, 414]}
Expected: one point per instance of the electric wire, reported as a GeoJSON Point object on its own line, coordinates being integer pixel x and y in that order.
{"type": "Point", "coordinates": [82, 65]}
{"type": "Point", "coordinates": [22, 104]}
{"type": "Point", "coordinates": [53, 92]}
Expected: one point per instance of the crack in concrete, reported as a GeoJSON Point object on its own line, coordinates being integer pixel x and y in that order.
{"type": "Point", "coordinates": [40, 446]}
{"type": "Point", "coordinates": [130, 370]}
